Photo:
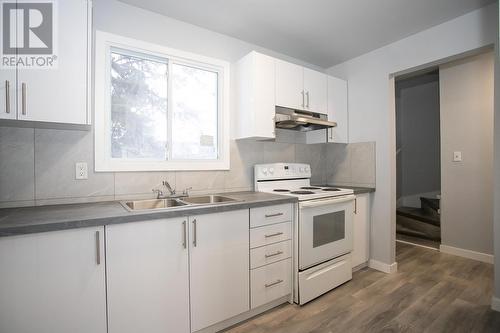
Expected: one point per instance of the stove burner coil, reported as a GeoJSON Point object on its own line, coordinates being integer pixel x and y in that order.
{"type": "Point", "coordinates": [331, 189]}
{"type": "Point", "coordinates": [302, 192]}
{"type": "Point", "coordinates": [281, 190]}
{"type": "Point", "coordinates": [310, 188]}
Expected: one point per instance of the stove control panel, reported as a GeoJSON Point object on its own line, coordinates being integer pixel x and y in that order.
{"type": "Point", "coordinates": [282, 171]}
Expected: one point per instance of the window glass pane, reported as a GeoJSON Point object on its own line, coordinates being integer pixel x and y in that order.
{"type": "Point", "coordinates": [328, 228]}
{"type": "Point", "coordinates": [138, 107]}
{"type": "Point", "coordinates": [194, 118]}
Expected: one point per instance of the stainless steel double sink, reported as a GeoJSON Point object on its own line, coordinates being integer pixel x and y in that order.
{"type": "Point", "coordinates": [153, 204]}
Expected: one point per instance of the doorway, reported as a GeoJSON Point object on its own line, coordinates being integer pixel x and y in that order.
{"type": "Point", "coordinates": [444, 156]}
{"type": "Point", "coordinates": [418, 154]}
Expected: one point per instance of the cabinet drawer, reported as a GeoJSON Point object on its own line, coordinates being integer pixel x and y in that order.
{"type": "Point", "coordinates": [270, 253]}
{"type": "Point", "coordinates": [270, 214]}
{"type": "Point", "coordinates": [270, 234]}
{"type": "Point", "coordinates": [270, 282]}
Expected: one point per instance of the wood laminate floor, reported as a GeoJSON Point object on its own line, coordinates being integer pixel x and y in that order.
{"type": "Point", "coordinates": [431, 292]}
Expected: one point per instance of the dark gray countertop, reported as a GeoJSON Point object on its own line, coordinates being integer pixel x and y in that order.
{"type": "Point", "coordinates": [357, 190]}
{"type": "Point", "coordinates": [26, 220]}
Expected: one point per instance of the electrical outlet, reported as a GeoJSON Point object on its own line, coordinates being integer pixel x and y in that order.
{"type": "Point", "coordinates": [81, 170]}
{"type": "Point", "coordinates": [457, 156]}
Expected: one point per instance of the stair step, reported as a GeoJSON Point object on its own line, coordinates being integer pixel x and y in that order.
{"type": "Point", "coordinates": [420, 215]}
{"type": "Point", "coordinates": [430, 205]}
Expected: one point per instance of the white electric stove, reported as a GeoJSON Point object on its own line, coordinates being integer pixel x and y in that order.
{"type": "Point", "coordinates": [323, 228]}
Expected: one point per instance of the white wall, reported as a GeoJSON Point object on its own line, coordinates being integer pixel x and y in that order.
{"type": "Point", "coordinates": [372, 95]}
{"type": "Point", "coordinates": [466, 99]}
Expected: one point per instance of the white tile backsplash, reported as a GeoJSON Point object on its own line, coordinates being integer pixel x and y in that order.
{"type": "Point", "coordinates": [37, 168]}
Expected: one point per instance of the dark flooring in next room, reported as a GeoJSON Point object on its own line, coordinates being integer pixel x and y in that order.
{"type": "Point", "coordinates": [431, 292]}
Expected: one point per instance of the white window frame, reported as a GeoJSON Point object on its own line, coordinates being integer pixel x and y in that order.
{"type": "Point", "coordinates": [104, 42]}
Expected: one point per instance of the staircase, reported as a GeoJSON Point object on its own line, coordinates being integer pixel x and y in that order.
{"type": "Point", "coordinates": [423, 222]}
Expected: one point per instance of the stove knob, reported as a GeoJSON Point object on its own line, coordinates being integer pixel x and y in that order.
{"type": "Point", "coordinates": [271, 170]}
{"type": "Point", "coordinates": [264, 171]}
{"type": "Point", "coordinates": [301, 169]}
{"type": "Point", "coordinates": [307, 169]}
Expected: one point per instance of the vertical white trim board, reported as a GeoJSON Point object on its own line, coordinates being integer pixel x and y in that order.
{"type": "Point", "coordinates": [495, 304]}
{"type": "Point", "coordinates": [383, 267]}
{"type": "Point", "coordinates": [484, 257]}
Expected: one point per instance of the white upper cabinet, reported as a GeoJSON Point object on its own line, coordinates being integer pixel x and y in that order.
{"type": "Point", "coordinates": [219, 266]}
{"type": "Point", "coordinates": [289, 85]}
{"type": "Point", "coordinates": [147, 276]}
{"type": "Point", "coordinates": [256, 96]}
{"type": "Point", "coordinates": [8, 94]}
{"type": "Point", "coordinates": [59, 94]}
{"type": "Point", "coordinates": [53, 282]}
{"type": "Point", "coordinates": [265, 82]}
{"type": "Point", "coordinates": [337, 110]}
{"type": "Point", "coordinates": [315, 90]}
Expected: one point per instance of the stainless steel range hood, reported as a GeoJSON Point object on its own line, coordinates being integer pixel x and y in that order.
{"type": "Point", "coordinates": [299, 120]}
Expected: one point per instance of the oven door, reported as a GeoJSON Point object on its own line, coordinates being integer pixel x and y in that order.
{"type": "Point", "coordinates": [325, 229]}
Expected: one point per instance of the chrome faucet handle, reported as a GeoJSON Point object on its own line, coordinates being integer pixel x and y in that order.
{"type": "Point", "coordinates": [169, 188]}
{"type": "Point", "coordinates": [159, 193]}
{"type": "Point", "coordinates": [186, 191]}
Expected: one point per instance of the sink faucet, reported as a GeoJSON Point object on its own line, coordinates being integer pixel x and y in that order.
{"type": "Point", "coordinates": [172, 193]}
{"type": "Point", "coordinates": [161, 194]}
{"type": "Point", "coordinates": [168, 187]}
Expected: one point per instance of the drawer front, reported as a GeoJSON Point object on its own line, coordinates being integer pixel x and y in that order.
{"type": "Point", "coordinates": [270, 234]}
{"type": "Point", "coordinates": [270, 214]}
{"type": "Point", "coordinates": [270, 253]}
{"type": "Point", "coordinates": [322, 278]}
{"type": "Point", "coordinates": [270, 282]}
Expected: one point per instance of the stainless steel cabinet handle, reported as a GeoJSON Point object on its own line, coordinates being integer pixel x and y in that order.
{"type": "Point", "coordinates": [273, 254]}
{"type": "Point", "coordinates": [356, 206]}
{"type": "Point", "coordinates": [303, 103]}
{"type": "Point", "coordinates": [23, 98]}
{"type": "Point", "coordinates": [184, 234]}
{"type": "Point", "coordinates": [274, 283]}
{"type": "Point", "coordinates": [307, 98]}
{"type": "Point", "coordinates": [7, 96]}
{"type": "Point", "coordinates": [274, 235]}
{"type": "Point", "coordinates": [274, 215]}
{"type": "Point", "coordinates": [98, 247]}
{"type": "Point", "coordinates": [194, 232]}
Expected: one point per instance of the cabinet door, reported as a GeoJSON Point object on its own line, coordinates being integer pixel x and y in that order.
{"type": "Point", "coordinates": [219, 267]}
{"type": "Point", "coordinates": [8, 94]}
{"type": "Point", "coordinates": [361, 230]}
{"type": "Point", "coordinates": [337, 110]}
{"type": "Point", "coordinates": [53, 283]}
{"type": "Point", "coordinates": [147, 276]}
{"type": "Point", "coordinates": [60, 94]}
{"type": "Point", "coordinates": [289, 85]}
{"type": "Point", "coordinates": [255, 80]}
{"type": "Point", "coordinates": [315, 87]}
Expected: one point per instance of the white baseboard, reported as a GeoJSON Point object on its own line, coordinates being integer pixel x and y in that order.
{"type": "Point", "coordinates": [495, 304]}
{"type": "Point", "coordinates": [383, 267]}
{"type": "Point", "coordinates": [484, 257]}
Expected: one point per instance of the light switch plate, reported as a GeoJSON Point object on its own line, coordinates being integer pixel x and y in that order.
{"type": "Point", "coordinates": [457, 156]}
{"type": "Point", "coordinates": [81, 170]}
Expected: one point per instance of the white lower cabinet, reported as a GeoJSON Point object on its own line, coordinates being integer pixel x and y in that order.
{"type": "Point", "coordinates": [148, 276]}
{"type": "Point", "coordinates": [219, 263]}
{"type": "Point", "coordinates": [53, 282]}
{"type": "Point", "coordinates": [361, 230]}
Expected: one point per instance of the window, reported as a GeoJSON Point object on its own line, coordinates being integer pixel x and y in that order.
{"type": "Point", "coordinates": [158, 108]}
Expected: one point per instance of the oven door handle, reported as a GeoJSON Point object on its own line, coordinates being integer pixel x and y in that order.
{"type": "Point", "coordinates": [324, 202]}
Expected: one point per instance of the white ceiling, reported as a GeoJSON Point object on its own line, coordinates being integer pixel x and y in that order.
{"type": "Point", "coordinates": [321, 32]}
